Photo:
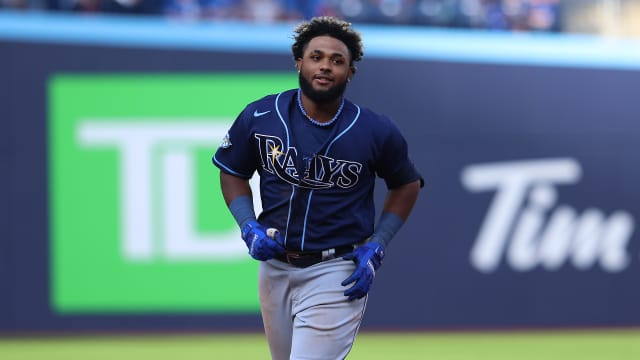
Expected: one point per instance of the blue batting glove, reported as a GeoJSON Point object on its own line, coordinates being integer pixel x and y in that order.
{"type": "Point", "coordinates": [261, 246]}
{"type": "Point", "coordinates": [368, 259]}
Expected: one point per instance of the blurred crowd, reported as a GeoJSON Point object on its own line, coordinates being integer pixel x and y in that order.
{"type": "Point", "coordinates": [525, 15]}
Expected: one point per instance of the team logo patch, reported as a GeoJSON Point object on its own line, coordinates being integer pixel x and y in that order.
{"type": "Point", "coordinates": [226, 142]}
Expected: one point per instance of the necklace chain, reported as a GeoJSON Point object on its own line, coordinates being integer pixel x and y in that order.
{"type": "Point", "coordinates": [314, 121]}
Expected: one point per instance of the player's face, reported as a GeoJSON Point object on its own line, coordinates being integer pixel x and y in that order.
{"type": "Point", "coordinates": [324, 69]}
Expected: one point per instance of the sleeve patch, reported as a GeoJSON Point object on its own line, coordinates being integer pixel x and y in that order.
{"type": "Point", "coordinates": [226, 142]}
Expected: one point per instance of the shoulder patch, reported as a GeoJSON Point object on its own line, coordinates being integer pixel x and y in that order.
{"type": "Point", "coordinates": [226, 142]}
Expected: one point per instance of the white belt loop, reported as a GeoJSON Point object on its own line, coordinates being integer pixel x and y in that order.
{"type": "Point", "coordinates": [328, 254]}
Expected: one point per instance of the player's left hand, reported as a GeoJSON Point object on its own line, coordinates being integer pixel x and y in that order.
{"type": "Point", "coordinates": [368, 259]}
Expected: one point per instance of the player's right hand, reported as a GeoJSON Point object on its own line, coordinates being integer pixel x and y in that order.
{"type": "Point", "coordinates": [261, 246]}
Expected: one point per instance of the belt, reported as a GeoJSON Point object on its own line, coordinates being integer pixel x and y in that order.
{"type": "Point", "coordinates": [303, 259]}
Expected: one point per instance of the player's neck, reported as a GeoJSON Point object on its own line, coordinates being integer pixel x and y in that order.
{"type": "Point", "coordinates": [320, 112]}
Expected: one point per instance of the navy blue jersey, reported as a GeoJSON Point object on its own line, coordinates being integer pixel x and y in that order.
{"type": "Point", "coordinates": [318, 197]}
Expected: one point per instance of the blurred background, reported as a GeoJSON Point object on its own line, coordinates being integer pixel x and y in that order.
{"type": "Point", "coordinates": [521, 114]}
{"type": "Point", "coordinates": [605, 17]}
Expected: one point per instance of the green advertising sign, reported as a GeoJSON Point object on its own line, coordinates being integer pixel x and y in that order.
{"type": "Point", "coordinates": [138, 223]}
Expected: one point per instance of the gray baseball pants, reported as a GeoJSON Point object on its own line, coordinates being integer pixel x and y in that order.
{"type": "Point", "coordinates": [304, 310]}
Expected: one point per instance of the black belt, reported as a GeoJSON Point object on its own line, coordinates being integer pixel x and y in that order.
{"type": "Point", "coordinates": [303, 259]}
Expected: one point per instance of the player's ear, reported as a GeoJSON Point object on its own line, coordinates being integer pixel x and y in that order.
{"type": "Point", "coordinates": [298, 64]}
{"type": "Point", "coordinates": [352, 72]}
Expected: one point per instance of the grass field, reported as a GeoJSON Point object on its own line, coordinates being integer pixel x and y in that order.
{"type": "Point", "coordinates": [583, 345]}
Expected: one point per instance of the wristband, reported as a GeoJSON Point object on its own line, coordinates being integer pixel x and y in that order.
{"type": "Point", "coordinates": [242, 210]}
{"type": "Point", "coordinates": [387, 227]}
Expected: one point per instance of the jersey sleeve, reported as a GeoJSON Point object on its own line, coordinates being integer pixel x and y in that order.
{"type": "Point", "coordinates": [236, 155]}
{"type": "Point", "coordinates": [395, 165]}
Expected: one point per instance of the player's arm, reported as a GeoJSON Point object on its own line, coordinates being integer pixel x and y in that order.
{"type": "Point", "coordinates": [400, 201]}
{"type": "Point", "coordinates": [403, 181]}
{"type": "Point", "coordinates": [397, 206]}
{"type": "Point", "coordinates": [263, 243]}
{"type": "Point", "coordinates": [368, 257]}
{"type": "Point", "coordinates": [233, 186]}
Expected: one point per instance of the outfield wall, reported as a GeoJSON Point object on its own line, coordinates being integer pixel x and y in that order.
{"type": "Point", "coordinates": [111, 218]}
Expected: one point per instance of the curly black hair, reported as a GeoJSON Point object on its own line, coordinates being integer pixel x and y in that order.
{"type": "Point", "coordinates": [330, 26]}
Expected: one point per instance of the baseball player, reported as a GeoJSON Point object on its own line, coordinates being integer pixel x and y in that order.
{"type": "Point", "coordinates": [318, 156]}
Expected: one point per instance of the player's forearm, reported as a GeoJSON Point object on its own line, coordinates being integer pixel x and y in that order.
{"type": "Point", "coordinates": [233, 186]}
{"type": "Point", "coordinates": [401, 200]}
{"type": "Point", "coordinates": [398, 205]}
{"type": "Point", "coordinates": [237, 194]}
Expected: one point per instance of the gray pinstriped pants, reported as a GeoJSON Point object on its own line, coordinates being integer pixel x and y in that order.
{"type": "Point", "coordinates": [304, 311]}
